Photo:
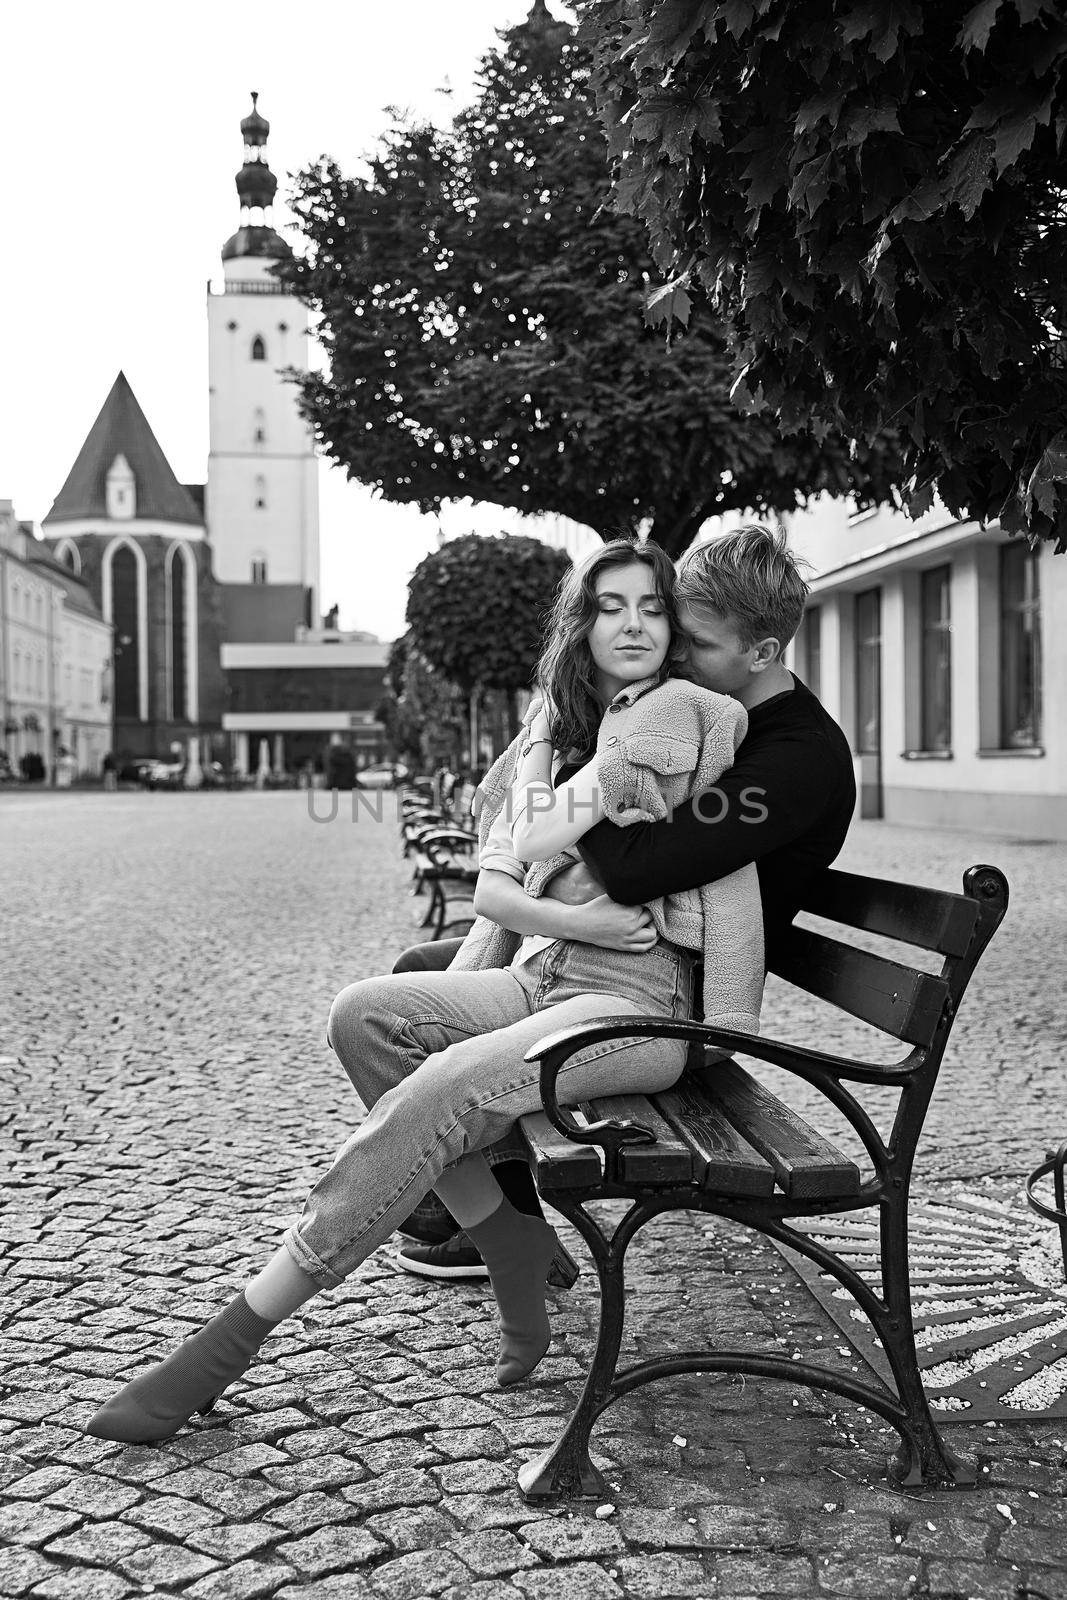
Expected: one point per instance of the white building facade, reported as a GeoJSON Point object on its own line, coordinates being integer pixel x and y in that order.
{"type": "Point", "coordinates": [941, 649]}
{"type": "Point", "coordinates": [55, 654]}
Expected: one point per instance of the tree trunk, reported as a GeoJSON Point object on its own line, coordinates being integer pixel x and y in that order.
{"type": "Point", "coordinates": [474, 758]}
{"type": "Point", "coordinates": [675, 529]}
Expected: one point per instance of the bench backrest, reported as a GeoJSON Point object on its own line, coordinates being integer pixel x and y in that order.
{"type": "Point", "coordinates": [914, 1006]}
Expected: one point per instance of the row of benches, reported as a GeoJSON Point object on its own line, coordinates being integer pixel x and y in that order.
{"type": "Point", "coordinates": [445, 859]}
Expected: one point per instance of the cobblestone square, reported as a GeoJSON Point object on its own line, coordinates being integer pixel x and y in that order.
{"type": "Point", "coordinates": [168, 963]}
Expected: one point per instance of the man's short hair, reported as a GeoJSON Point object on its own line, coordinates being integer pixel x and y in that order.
{"type": "Point", "coordinates": [750, 577]}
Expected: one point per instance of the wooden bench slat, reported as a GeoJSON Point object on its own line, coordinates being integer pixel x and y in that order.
{"type": "Point", "coordinates": [669, 1160]}
{"type": "Point", "coordinates": [558, 1163]}
{"type": "Point", "coordinates": [932, 919]}
{"type": "Point", "coordinates": [888, 995]}
{"type": "Point", "coordinates": [807, 1165]}
{"type": "Point", "coordinates": [722, 1159]}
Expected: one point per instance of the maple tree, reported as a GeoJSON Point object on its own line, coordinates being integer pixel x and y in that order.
{"type": "Point", "coordinates": [482, 310]}
{"type": "Point", "coordinates": [871, 193]}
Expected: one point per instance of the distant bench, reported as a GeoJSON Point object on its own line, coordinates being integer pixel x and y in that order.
{"type": "Point", "coordinates": [446, 864]}
{"type": "Point", "coordinates": [720, 1142]}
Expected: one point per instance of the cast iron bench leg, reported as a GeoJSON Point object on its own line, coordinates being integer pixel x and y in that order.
{"type": "Point", "coordinates": [565, 1469]}
{"type": "Point", "coordinates": [431, 909]}
{"type": "Point", "coordinates": [923, 1456]}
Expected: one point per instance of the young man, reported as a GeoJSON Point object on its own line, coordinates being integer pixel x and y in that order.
{"type": "Point", "coordinates": [785, 804]}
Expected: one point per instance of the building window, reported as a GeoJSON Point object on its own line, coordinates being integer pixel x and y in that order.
{"type": "Point", "coordinates": [935, 605]}
{"type": "Point", "coordinates": [179, 630]}
{"type": "Point", "coordinates": [260, 492]}
{"type": "Point", "coordinates": [259, 426]}
{"type": "Point", "coordinates": [259, 569]}
{"type": "Point", "coordinates": [259, 349]}
{"type": "Point", "coordinates": [869, 672]}
{"type": "Point", "coordinates": [1020, 647]}
{"type": "Point", "coordinates": [124, 615]}
{"type": "Point", "coordinates": [809, 655]}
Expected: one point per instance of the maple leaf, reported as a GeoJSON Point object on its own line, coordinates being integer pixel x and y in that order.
{"type": "Point", "coordinates": [977, 25]}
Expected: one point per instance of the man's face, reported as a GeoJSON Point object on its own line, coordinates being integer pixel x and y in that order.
{"type": "Point", "coordinates": [717, 659]}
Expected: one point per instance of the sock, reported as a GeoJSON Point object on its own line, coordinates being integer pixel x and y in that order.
{"type": "Point", "coordinates": [516, 1180]}
{"type": "Point", "coordinates": [160, 1401]}
{"type": "Point", "coordinates": [518, 1251]}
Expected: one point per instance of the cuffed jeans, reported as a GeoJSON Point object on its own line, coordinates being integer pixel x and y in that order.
{"type": "Point", "coordinates": [438, 1060]}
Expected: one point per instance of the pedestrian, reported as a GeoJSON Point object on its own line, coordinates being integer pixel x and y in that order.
{"type": "Point", "coordinates": [439, 1058]}
{"type": "Point", "coordinates": [110, 777]}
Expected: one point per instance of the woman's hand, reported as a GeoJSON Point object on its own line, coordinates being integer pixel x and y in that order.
{"type": "Point", "coordinates": [602, 921]}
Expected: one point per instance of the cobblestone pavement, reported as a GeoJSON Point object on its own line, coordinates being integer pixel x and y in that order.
{"type": "Point", "coordinates": [167, 1096]}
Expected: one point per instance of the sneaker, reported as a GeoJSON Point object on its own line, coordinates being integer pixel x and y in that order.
{"type": "Point", "coordinates": [458, 1258]}
{"type": "Point", "coordinates": [431, 1227]}
{"type": "Point", "coordinates": [455, 1257]}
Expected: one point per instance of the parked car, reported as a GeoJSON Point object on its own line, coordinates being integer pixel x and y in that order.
{"type": "Point", "coordinates": [151, 773]}
{"type": "Point", "coordinates": [137, 771]}
{"type": "Point", "coordinates": [166, 774]}
{"type": "Point", "coordinates": [386, 776]}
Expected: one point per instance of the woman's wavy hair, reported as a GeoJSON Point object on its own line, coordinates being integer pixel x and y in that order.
{"type": "Point", "coordinates": [566, 675]}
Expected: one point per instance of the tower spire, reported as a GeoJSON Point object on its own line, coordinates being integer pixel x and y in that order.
{"type": "Point", "coordinates": [256, 188]}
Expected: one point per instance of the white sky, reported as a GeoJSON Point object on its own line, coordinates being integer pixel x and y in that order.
{"type": "Point", "coordinates": [119, 142]}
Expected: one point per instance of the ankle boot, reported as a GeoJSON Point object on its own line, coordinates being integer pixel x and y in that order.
{"type": "Point", "coordinates": [519, 1251]}
{"type": "Point", "coordinates": [160, 1401]}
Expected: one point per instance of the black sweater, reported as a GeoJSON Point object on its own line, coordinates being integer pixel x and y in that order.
{"type": "Point", "coordinates": [785, 804]}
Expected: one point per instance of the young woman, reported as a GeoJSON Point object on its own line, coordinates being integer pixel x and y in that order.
{"type": "Point", "coordinates": [439, 1057]}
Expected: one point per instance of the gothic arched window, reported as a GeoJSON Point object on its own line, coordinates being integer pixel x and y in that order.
{"type": "Point", "coordinates": [259, 568]}
{"type": "Point", "coordinates": [124, 615]}
{"type": "Point", "coordinates": [259, 349]}
{"type": "Point", "coordinates": [179, 642]}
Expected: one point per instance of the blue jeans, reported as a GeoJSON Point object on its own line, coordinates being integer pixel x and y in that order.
{"type": "Point", "coordinates": [438, 1060]}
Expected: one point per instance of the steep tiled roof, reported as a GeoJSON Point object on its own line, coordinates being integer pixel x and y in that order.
{"type": "Point", "coordinates": [76, 590]}
{"type": "Point", "coordinates": [122, 429]}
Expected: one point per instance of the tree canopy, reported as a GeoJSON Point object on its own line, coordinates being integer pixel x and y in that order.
{"type": "Point", "coordinates": [476, 608]}
{"type": "Point", "coordinates": [423, 713]}
{"type": "Point", "coordinates": [482, 309]}
{"type": "Point", "coordinates": [872, 194]}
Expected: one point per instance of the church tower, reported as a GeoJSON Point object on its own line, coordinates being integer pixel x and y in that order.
{"type": "Point", "coordinates": [262, 487]}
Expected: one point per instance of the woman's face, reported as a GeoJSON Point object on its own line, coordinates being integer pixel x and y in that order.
{"type": "Point", "coordinates": [632, 633]}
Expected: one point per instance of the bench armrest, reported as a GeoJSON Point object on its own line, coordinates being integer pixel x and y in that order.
{"type": "Point", "coordinates": [816, 1066]}
{"type": "Point", "coordinates": [448, 836]}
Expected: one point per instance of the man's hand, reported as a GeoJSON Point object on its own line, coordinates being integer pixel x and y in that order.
{"type": "Point", "coordinates": [597, 918]}
{"type": "Point", "coordinates": [574, 886]}
{"type": "Point", "coordinates": [613, 927]}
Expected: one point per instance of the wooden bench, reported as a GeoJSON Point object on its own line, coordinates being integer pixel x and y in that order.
{"type": "Point", "coordinates": [446, 863]}
{"type": "Point", "coordinates": [720, 1142]}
